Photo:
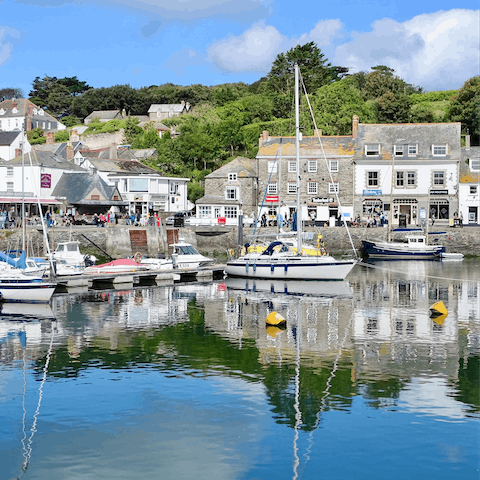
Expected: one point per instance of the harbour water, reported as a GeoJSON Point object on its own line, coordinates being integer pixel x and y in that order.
{"type": "Point", "coordinates": [186, 381]}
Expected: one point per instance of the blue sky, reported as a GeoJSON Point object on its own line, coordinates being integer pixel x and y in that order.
{"type": "Point", "coordinates": [152, 42]}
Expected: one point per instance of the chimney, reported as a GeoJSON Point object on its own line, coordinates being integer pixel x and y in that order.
{"type": "Point", "coordinates": [354, 126]}
{"type": "Point", "coordinates": [467, 140]}
{"type": "Point", "coordinates": [113, 151]}
{"type": "Point", "coordinates": [265, 134]}
{"type": "Point", "coordinates": [18, 152]}
{"type": "Point", "coordinates": [318, 132]}
{"type": "Point", "coordinates": [182, 103]}
{"type": "Point", "coordinates": [30, 109]}
{"type": "Point", "coordinates": [69, 151]}
{"type": "Point", "coordinates": [124, 113]}
{"type": "Point", "coordinates": [50, 138]}
{"type": "Point", "coordinates": [74, 136]}
{"type": "Point", "coordinates": [29, 124]}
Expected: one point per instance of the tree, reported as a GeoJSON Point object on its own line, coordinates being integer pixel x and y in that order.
{"type": "Point", "coordinates": [393, 108]}
{"type": "Point", "coordinates": [314, 67]}
{"type": "Point", "coordinates": [464, 106]}
{"type": "Point", "coordinates": [74, 85]}
{"type": "Point", "coordinates": [9, 93]}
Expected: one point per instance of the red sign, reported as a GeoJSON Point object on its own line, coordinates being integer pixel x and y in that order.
{"type": "Point", "coordinates": [271, 198]}
{"type": "Point", "coordinates": [222, 220]}
{"type": "Point", "coordinates": [45, 180]}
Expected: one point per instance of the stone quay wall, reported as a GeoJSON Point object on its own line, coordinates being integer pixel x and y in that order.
{"type": "Point", "coordinates": [116, 241]}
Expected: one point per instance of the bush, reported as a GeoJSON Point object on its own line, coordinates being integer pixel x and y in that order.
{"type": "Point", "coordinates": [62, 136]}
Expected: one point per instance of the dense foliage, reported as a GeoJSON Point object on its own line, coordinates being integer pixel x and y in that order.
{"type": "Point", "coordinates": [226, 120]}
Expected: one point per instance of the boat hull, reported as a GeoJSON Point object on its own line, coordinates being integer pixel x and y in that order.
{"type": "Point", "coordinates": [296, 268]}
{"type": "Point", "coordinates": [399, 251]}
{"type": "Point", "coordinates": [32, 292]}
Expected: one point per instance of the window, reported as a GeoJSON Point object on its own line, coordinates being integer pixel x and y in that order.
{"type": "Point", "coordinates": [231, 212]}
{"type": "Point", "coordinates": [312, 166]}
{"type": "Point", "coordinates": [9, 186]}
{"type": "Point", "coordinates": [438, 179]}
{"type": "Point", "coordinates": [473, 189]}
{"type": "Point", "coordinates": [439, 150]}
{"type": "Point", "coordinates": [272, 211]}
{"type": "Point", "coordinates": [292, 165]}
{"type": "Point", "coordinates": [411, 179]}
{"type": "Point", "coordinates": [272, 187]}
{"type": "Point", "coordinates": [292, 187]}
{"type": "Point", "coordinates": [398, 150]}
{"type": "Point", "coordinates": [272, 166]}
{"type": "Point", "coordinates": [232, 177]}
{"type": "Point", "coordinates": [399, 179]}
{"type": "Point", "coordinates": [372, 180]}
{"type": "Point", "coordinates": [334, 165]}
{"type": "Point", "coordinates": [372, 150]}
{"type": "Point", "coordinates": [312, 188]}
{"type": "Point", "coordinates": [412, 150]}
{"type": "Point", "coordinates": [474, 164]}
{"type": "Point", "coordinates": [94, 197]}
{"type": "Point", "coordinates": [333, 187]}
{"type": "Point", "coordinates": [174, 187]}
{"type": "Point", "coordinates": [204, 211]}
{"type": "Point", "coordinates": [231, 193]}
{"type": "Point", "coordinates": [9, 171]}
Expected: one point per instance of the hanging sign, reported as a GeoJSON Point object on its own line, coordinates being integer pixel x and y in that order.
{"type": "Point", "coordinates": [271, 198]}
{"type": "Point", "coordinates": [45, 180]}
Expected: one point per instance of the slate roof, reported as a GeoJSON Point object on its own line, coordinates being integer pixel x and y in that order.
{"type": "Point", "coordinates": [216, 200]}
{"type": "Point", "coordinates": [26, 109]}
{"type": "Point", "coordinates": [166, 107]}
{"type": "Point", "coordinates": [243, 167]}
{"type": "Point", "coordinates": [58, 148]}
{"type": "Point", "coordinates": [76, 186]}
{"type": "Point", "coordinates": [143, 153]}
{"type": "Point", "coordinates": [46, 159]}
{"type": "Point", "coordinates": [467, 175]}
{"type": "Point", "coordinates": [104, 114]}
{"type": "Point", "coordinates": [7, 138]}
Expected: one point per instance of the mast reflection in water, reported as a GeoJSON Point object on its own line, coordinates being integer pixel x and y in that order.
{"type": "Point", "coordinates": [188, 381]}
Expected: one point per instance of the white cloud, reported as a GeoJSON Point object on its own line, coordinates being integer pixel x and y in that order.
{"type": "Point", "coordinates": [6, 47]}
{"type": "Point", "coordinates": [256, 48]}
{"type": "Point", "coordinates": [438, 51]}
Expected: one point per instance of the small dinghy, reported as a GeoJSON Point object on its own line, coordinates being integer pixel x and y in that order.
{"type": "Point", "coordinates": [451, 256]}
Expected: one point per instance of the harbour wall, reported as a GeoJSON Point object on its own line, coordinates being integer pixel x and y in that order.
{"type": "Point", "coordinates": [118, 241]}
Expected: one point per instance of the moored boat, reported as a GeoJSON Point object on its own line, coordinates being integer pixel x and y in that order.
{"type": "Point", "coordinates": [122, 265]}
{"type": "Point", "coordinates": [415, 248]}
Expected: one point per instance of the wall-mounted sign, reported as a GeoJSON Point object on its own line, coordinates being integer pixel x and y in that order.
{"type": "Point", "coordinates": [271, 198]}
{"type": "Point", "coordinates": [438, 192]}
{"type": "Point", "coordinates": [372, 192]}
{"type": "Point", "coordinates": [322, 200]}
{"type": "Point", "coordinates": [45, 180]}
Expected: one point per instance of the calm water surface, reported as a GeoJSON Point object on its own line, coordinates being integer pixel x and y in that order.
{"type": "Point", "coordinates": [185, 381]}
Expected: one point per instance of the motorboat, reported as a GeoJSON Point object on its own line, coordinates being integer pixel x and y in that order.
{"type": "Point", "coordinates": [415, 248]}
{"type": "Point", "coordinates": [69, 260]}
{"type": "Point", "coordinates": [279, 262]}
{"type": "Point", "coordinates": [186, 256]}
{"type": "Point", "coordinates": [122, 265]}
{"type": "Point", "coordinates": [29, 266]}
{"type": "Point", "coordinates": [16, 286]}
{"type": "Point", "coordinates": [451, 256]}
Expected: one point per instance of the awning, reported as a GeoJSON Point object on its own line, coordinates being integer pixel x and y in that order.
{"type": "Point", "coordinates": [28, 200]}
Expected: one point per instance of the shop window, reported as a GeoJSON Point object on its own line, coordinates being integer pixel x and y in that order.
{"type": "Point", "coordinates": [231, 212]}
{"type": "Point", "coordinates": [204, 211]}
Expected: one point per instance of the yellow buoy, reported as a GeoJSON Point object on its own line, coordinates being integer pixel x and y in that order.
{"type": "Point", "coordinates": [275, 318]}
{"type": "Point", "coordinates": [438, 308]}
{"type": "Point", "coordinates": [440, 319]}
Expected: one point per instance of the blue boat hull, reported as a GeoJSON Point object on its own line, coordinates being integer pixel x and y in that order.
{"type": "Point", "coordinates": [384, 251]}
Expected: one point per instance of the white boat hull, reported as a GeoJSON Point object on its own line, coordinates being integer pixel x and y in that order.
{"type": "Point", "coordinates": [35, 292]}
{"type": "Point", "coordinates": [290, 268]}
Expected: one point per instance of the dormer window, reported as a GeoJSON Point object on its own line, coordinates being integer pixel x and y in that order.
{"type": "Point", "coordinates": [14, 110]}
{"type": "Point", "coordinates": [41, 112]}
{"type": "Point", "coordinates": [474, 164]}
{"type": "Point", "coordinates": [35, 111]}
{"type": "Point", "coordinates": [372, 150]}
{"type": "Point", "coordinates": [398, 150]}
{"type": "Point", "coordinates": [412, 150]}
{"type": "Point", "coordinates": [2, 111]}
{"type": "Point", "coordinates": [439, 150]}
{"type": "Point", "coordinates": [232, 177]}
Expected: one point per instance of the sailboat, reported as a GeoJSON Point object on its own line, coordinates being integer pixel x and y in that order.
{"type": "Point", "coordinates": [278, 260]}
{"type": "Point", "coordinates": [15, 285]}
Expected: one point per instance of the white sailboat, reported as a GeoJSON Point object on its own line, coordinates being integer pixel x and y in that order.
{"type": "Point", "coordinates": [15, 285]}
{"type": "Point", "coordinates": [278, 260]}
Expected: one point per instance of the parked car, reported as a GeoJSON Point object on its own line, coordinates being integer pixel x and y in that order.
{"type": "Point", "coordinates": [178, 218]}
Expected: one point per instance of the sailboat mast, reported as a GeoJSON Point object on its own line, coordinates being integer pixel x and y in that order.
{"type": "Point", "coordinates": [24, 227]}
{"type": "Point", "coordinates": [297, 148]}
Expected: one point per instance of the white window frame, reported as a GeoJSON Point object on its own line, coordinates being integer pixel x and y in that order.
{"type": "Point", "coordinates": [10, 186]}
{"type": "Point", "coordinates": [204, 211]}
{"type": "Point", "coordinates": [372, 150]}
{"type": "Point", "coordinates": [439, 175]}
{"type": "Point", "coordinates": [312, 166]}
{"type": "Point", "coordinates": [272, 188]}
{"type": "Point", "coordinates": [373, 182]}
{"type": "Point", "coordinates": [10, 172]}
{"type": "Point", "coordinates": [440, 148]}
{"type": "Point", "coordinates": [409, 175]}
{"type": "Point", "coordinates": [232, 177]}
{"type": "Point", "coordinates": [474, 164]}
{"type": "Point", "coordinates": [231, 193]}
{"type": "Point", "coordinates": [272, 166]}
{"type": "Point", "coordinates": [412, 150]}
{"type": "Point", "coordinates": [398, 150]}
{"type": "Point", "coordinates": [312, 188]}
{"type": "Point", "coordinates": [292, 188]}
{"type": "Point", "coordinates": [333, 187]}
{"type": "Point", "coordinates": [292, 166]}
{"type": "Point", "coordinates": [333, 165]}
{"type": "Point", "coordinates": [473, 189]}
{"type": "Point", "coordinates": [230, 211]}
{"type": "Point", "coordinates": [399, 177]}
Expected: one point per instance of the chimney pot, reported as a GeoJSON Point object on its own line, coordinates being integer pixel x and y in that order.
{"type": "Point", "coordinates": [50, 138]}
{"type": "Point", "coordinates": [354, 126]}
{"type": "Point", "coordinates": [18, 152]}
{"type": "Point", "coordinates": [69, 151]}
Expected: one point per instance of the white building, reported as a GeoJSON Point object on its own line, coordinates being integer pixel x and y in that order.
{"type": "Point", "coordinates": [11, 145]}
{"type": "Point", "coordinates": [469, 184]}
